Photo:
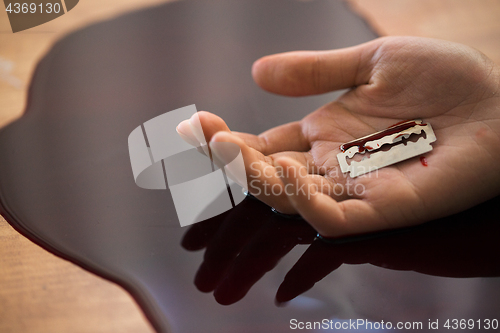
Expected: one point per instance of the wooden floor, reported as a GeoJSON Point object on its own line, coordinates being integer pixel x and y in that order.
{"type": "Point", "coordinates": [40, 292]}
{"type": "Point", "coordinates": [473, 23]}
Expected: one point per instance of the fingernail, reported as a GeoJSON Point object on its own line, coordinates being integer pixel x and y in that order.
{"type": "Point", "coordinates": [184, 132]}
{"type": "Point", "coordinates": [228, 155]}
{"type": "Point", "coordinates": [197, 130]}
{"type": "Point", "coordinates": [223, 151]}
{"type": "Point", "coordinates": [195, 124]}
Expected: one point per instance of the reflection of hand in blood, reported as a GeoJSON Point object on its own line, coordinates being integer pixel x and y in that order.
{"type": "Point", "coordinates": [248, 241]}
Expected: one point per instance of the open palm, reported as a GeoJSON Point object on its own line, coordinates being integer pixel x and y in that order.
{"type": "Point", "coordinates": [294, 167]}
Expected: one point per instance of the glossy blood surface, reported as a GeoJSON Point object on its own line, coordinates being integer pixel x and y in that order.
{"type": "Point", "coordinates": [390, 130]}
{"type": "Point", "coordinates": [66, 180]}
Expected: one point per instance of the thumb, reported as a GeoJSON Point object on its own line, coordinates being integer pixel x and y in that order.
{"type": "Point", "coordinates": [301, 73]}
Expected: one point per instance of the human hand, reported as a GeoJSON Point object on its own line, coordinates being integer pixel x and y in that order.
{"type": "Point", "coordinates": [450, 86]}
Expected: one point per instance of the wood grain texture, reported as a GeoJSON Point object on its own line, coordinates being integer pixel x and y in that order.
{"type": "Point", "coordinates": [40, 292]}
{"type": "Point", "coordinates": [24, 49]}
{"type": "Point", "coordinates": [473, 23]}
{"type": "Point", "coordinates": [43, 293]}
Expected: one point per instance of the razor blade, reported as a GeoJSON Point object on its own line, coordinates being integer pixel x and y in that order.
{"type": "Point", "coordinates": [376, 156]}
